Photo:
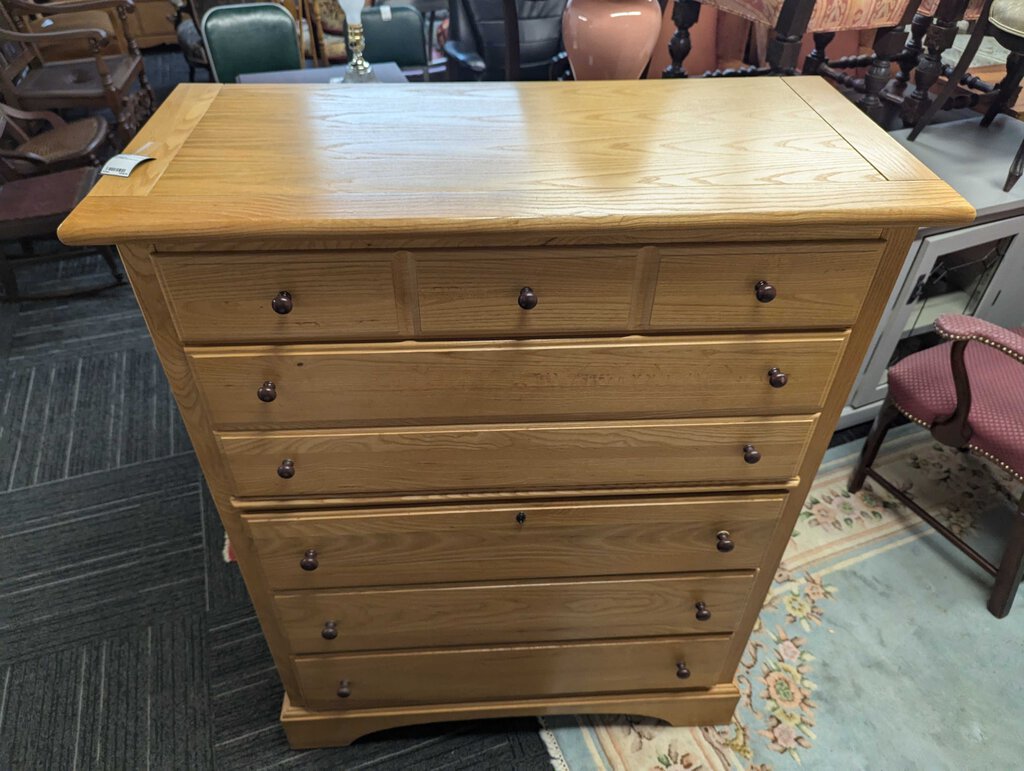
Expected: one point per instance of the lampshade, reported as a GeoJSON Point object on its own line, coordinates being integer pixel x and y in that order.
{"type": "Point", "coordinates": [353, 10]}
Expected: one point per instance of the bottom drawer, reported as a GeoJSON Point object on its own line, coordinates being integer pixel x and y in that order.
{"type": "Point", "coordinates": [484, 674]}
{"type": "Point", "coordinates": [496, 614]}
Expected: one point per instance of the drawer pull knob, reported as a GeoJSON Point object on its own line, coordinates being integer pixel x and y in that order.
{"type": "Point", "coordinates": [309, 560]}
{"type": "Point", "coordinates": [725, 542]}
{"type": "Point", "coordinates": [764, 291]}
{"type": "Point", "coordinates": [682, 672]}
{"type": "Point", "coordinates": [751, 454]}
{"type": "Point", "coordinates": [330, 630]}
{"type": "Point", "coordinates": [282, 303]}
{"type": "Point", "coordinates": [521, 518]}
{"type": "Point", "coordinates": [777, 378]}
{"type": "Point", "coordinates": [343, 689]}
{"type": "Point", "coordinates": [527, 298]}
{"type": "Point", "coordinates": [267, 392]}
{"type": "Point", "coordinates": [703, 614]}
{"type": "Point", "coordinates": [287, 469]}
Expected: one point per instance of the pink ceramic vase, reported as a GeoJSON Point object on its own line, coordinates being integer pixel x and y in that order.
{"type": "Point", "coordinates": [610, 39]}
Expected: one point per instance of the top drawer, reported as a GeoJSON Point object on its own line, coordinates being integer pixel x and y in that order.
{"type": "Point", "coordinates": [467, 293]}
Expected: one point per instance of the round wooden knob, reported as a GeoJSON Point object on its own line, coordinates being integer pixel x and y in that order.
{"type": "Point", "coordinates": [287, 469]}
{"type": "Point", "coordinates": [703, 614]}
{"type": "Point", "coordinates": [725, 542]}
{"type": "Point", "coordinates": [521, 518]}
{"type": "Point", "coordinates": [330, 630]}
{"type": "Point", "coordinates": [343, 689]}
{"type": "Point", "coordinates": [764, 292]}
{"type": "Point", "coordinates": [309, 560]}
{"type": "Point", "coordinates": [681, 670]}
{"type": "Point", "coordinates": [527, 298]}
{"type": "Point", "coordinates": [777, 378]}
{"type": "Point", "coordinates": [282, 303]}
{"type": "Point", "coordinates": [751, 454]}
{"type": "Point", "coordinates": [267, 392]}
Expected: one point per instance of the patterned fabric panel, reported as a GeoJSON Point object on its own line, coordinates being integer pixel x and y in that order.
{"type": "Point", "coordinates": [921, 385]}
{"type": "Point", "coordinates": [954, 326]}
{"type": "Point", "coordinates": [928, 8]}
{"type": "Point", "coordinates": [828, 16]}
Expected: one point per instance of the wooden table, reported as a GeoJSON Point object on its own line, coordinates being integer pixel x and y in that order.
{"type": "Point", "coordinates": [509, 395]}
{"type": "Point", "coordinates": [387, 72]}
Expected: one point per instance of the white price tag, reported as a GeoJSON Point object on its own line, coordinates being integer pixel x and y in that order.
{"type": "Point", "coordinates": [122, 165]}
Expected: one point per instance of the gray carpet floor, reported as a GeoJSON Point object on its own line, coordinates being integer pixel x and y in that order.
{"type": "Point", "coordinates": [126, 642]}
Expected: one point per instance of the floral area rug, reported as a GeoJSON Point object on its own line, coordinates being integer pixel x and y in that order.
{"type": "Point", "coordinates": [874, 649]}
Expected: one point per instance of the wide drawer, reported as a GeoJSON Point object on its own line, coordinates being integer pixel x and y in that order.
{"type": "Point", "coordinates": [526, 457]}
{"type": "Point", "coordinates": [414, 383]}
{"type": "Point", "coordinates": [508, 542]}
{"type": "Point", "coordinates": [482, 674]}
{"type": "Point", "coordinates": [718, 287]}
{"type": "Point", "coordinates": [232, 298]}
{"type": "Point", "coordinates": [535, 611]}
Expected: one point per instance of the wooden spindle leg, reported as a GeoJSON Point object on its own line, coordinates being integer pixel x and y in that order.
{"type": "Point", "coordinates": [888, 43]}
{"type": "Point", "coordinates": [684, 15]}
{"type": "Point", "coordinates": [818, 57]}
{"type": "Point", "coordinates": [911, 53]}
{"type": "Point", "coordinates": [939, 37]}
{"type": "Point", "coordinates": [1007, 87]}
{"type": "Point", "coordinates": [784, 48]}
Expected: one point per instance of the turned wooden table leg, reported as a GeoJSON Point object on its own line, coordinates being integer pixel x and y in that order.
{"type": "Point", "coordinates": [889, 42]}
{"type": "Point", "coordinates": [684, 16]}
{"type": "Point", "coordinates": [939, 37]}
{"type": "Point", "coordinates": [784, 48]}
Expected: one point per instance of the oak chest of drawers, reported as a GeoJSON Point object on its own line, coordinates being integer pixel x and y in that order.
{"type": "Point", "coordinates": [509, 395]}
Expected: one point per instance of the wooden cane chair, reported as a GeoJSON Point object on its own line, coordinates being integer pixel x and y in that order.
{"type": "Point", "coordinates": [969, 393]}
{"type": "Point", "coordinates": [116, 82]}
{"type": "Point", "coordinates": [63, 146]}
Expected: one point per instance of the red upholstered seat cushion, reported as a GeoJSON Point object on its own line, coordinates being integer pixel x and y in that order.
{"type": "Point", "coordinates": [921, 385]}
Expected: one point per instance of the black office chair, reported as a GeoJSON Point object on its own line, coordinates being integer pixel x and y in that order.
{"type": "Point", "coordinates": [483, 44]}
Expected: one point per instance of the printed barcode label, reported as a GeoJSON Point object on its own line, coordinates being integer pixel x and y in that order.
{"type": "Point", "coordinates": [122, 165]}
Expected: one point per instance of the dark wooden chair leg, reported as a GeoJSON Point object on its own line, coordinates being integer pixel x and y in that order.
{"type": "Point", "coordinates": [818, 56]}
{"type": "Point", "coordinates": [886, 417]}
{"type": "Point", "coordinates": [1007, 87]}
{"type": "Point", "coordinates": [911, 53]}
{"type": "Point", "coordinates": [939, 37]}
{"type": "Point", "coordinates": [784, 48]}
{"type": "Point", "coordinates": [1011, 568]}
{"type": "Point", "coordinates": [684, 15]}
{"type": "Point", "coordinates": [888, 43]}
{"type": "Point", "coordinates": [107, 253]}
{"type": "Point", "coordinates": [8, 280]}
{"type": "Point", "coordinates": [1016, 170]}
{"type": "Point", "coordinates": [958, 72]}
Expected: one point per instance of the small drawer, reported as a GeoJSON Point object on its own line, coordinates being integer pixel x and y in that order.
{"type": "Point", "coordinates": [413, 383]}
{"type": "Point", "coordinates": [376, 547]}
{"type": "Point", "coordinates": [515, 458]}
{"type": "Point", "coordinates": [511, 672]}
{"type": "Point", "coordinates": [524, 293]}
{"type": "Point", "coordinates": [536, 611]}
{"type": "Point", "coordinates": [279, 297]}
{"type": "Point", "coordinates": [767, 286]}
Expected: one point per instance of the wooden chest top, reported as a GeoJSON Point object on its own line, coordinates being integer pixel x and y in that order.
{"type": "Point", "coordinates": [423, 160]}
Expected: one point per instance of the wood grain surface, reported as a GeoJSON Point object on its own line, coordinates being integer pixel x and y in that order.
{"type": "Point", "coordinates": [528, 456]}
{"type": "Point", "coordinates": [534, 611]}
{"type": "Point", "coordinates": [414, 383]}
{"type": "Point", "coordinates": [443, 675]}
{"type": "Point", "coordinates": [486, 157]}
{"type": "Point", "coordinates": [486, 542]}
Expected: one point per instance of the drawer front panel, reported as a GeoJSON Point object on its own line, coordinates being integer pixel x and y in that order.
{"type": "Point", "coordinates": [511, 613]}
{"type": "Point", "coordinates": [231, 298]}
{"type": "Point", "coordinates": [529, 457]}
{"type": "Point", "coordinates": [477, 293]}
{"type": "Point", "coordinates": [482, 674]}
{"type": "Point", "coordinates": [714, 287]}
{"type": "Point", "coordinates": [555, 380]}
{"type": "Point", "coordinates": [490, 543]}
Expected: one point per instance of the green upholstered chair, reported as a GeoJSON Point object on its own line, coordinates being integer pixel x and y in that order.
{"type": "Point", "coordinates": [250, 37]}
{"type": "Point", "coordinates": [395, 33]}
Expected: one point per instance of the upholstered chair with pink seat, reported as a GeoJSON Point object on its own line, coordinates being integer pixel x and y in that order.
{"type": "Point", "coordinates": [969, 392]}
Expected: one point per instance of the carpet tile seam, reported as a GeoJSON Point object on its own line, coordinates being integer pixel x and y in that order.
{"type": "Point", "coordinates": [74, 407]}
{"type": "Point", "coordinates": [130, 503]}
{"type": "Point", "coordinates": [86, 474]}
{"type": "Point", "coordinates": [21, 431]}
{"type": "Point", "coordinates": [46, 422]}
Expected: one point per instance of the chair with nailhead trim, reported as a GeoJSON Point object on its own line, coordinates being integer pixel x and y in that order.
{"type": "Point", "coordinates": [969, 393]}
